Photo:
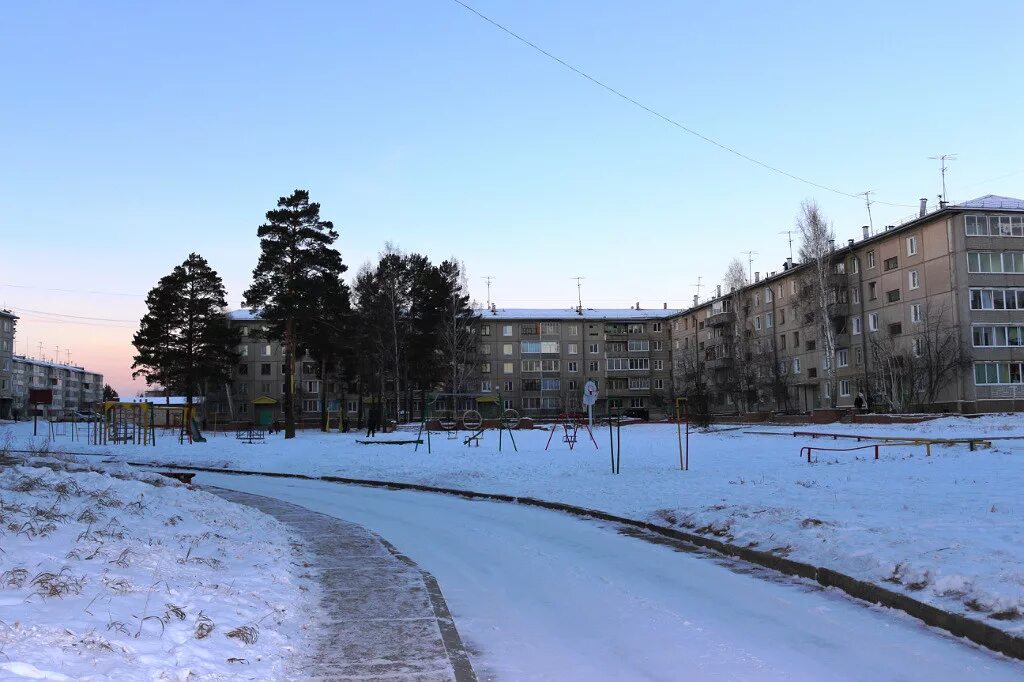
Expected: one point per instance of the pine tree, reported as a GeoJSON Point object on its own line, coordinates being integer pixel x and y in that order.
{"type": "Point", "coordinates": [296, 257]}
{"type": "Point", "coordinates": [329, 340]}
{"type": "Point", "coordinates": [184, 339]}
{"type": "Point", "coordinates": [109, 393]}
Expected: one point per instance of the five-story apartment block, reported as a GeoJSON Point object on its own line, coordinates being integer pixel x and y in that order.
{"type": "Point", "coordinates": [8, 320]}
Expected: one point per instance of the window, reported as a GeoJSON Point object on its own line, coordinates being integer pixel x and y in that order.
{"type": "Point", "coordinates": [796, 339]}
{"type": "Point", "coordinates": [843, 358]}
{"type": "Point", "coordinates": [767, 294]}
{"type": "Point", "coordinates": [572, 348]}
{"type": "Point", "coordinates": [871, 260]}
{"type": "Point", "coordinates": [615, 347]}
{"type": "Point", "coordinates": [529, 329]}
{"type": "Point", "coordinates": [998, 335]}
{"type": "Point", "coordinates": [657, 345]}
{"type": "Point", "coordinates": [792, 287]}
{"type": "Point", "coordinates": [265, 350]}
{"type": "Point", "coordinates": [639, 363]}
{"type": "Point", "coordinates": [506, 330]}
{"type": "Point", "coordinates": [508, 385]}
{"type": "Point", "coordinates": [485, 367]}
{"type": "Point", "coordinates": [637, 402]}
{"type": "Point", "coordinates": [309, 368]}
{"type": "Point", "coordinates": [485, 330]}
{"type": "Point", "coordinates": [530, 365]}
{"type": "Point", "coordinates": [507, 367]}
{"type": "Point", "coordinates": [572, 366]}
{"type": "Point", "coordinates": [549, 328]}
{"type": "Point", "coordinates": [265, 369]}
{"type": "Point", "coordinates": [659, 365]}
{"type": "Point", "coordinates": [872, 292]}
{"type": "Point", "coordinates": [550, 384]}
{"type": "Point", "coordinates": [538, 346]}
{"type": "Point", "coordinates": [656, 326]}
{"type": "Point", "coordinates": [854, 266]}
{"type": "Point", "coordinates": [892, 296]}
{"type": "Point", "coordinates": [616, 364]}
{"type": "Point", "coordinates": [659, 384]}
{"type": "Point", "coordinates": [896, 328]}
{"type": "Point", "coordinates": [243, 369]}
{"type": "Point", "coordinates": [994, 226]}
{"type": "Point", "coordinates": [989, 261]}
{"type": "Point", "coordinates": [594, 366]}
{"type": "Point", "coordinates": [312, 386]}
{"type": "Point", "coordinates": [918, 347]}
{"type": "Point", "coordinates": [891, 263]}
{"type": "Point", "coordinates": [245, 351]}
{"type": "Point", "coordinates": [915, 312]}
{"type": "Point", "coordinates": [639, 346]}
{"type": "Point", "coordinates": [593, 349]}
{"type": "Point", "coordinates": [912, 246]}
{"type": "Point", "coordinates": [844, 387]}
{"type": "Point", "coordinates": [782, 341]}
{"type": "Point", "coordinates": [915, 280]}
{"type": "Point", "coordinates": [757, 322]}
{"type": "Point", "coordinates": [769, 320]}
{"type": "Point", "coordinates": [506, 349]}
{"type": "Point", "coordinates": [856, 325]}
{"type": "Point", "coordinates": [352, 406]}
{"type": "Point", "coordinates": [858, 356]}
{"type": "Point", "coordinates": [855, 295]}
{"type": "Point", "coordinates": [635, 329]}
{"type": "Point", "coordinates": [997, 299]}
{"type": "Point", "coordinates": [639, 384]}
{"type": "Point", "coordinates": [873, 322]}
{"type": "Point", "coordinates": [574, 330]}
{"type": "Point", "coordinates": [485, 349]}
{"type": "Point", "coordinates": [796, 365]}
{"type": "Point", "coordinates": [997, 373]}
{"type": "Point", "coordinates": [310, 405]}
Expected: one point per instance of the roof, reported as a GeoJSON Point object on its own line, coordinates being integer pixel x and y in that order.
{"type": "Point", "coordinates": [158, 400]}
{"type": "Point", "coordinates": [243, 315]}
{"type": "Point", "coordinates": [994, 201]}
{"type": "Point", "coordinates": [57, 365]}
{"type": "Point", "coordinates": [572, 314]}
{"type": "Point", "coordinates": [8, 313]}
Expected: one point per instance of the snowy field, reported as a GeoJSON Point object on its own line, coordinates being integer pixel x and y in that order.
{"type": "Point", "coordinates": [111, 573]}
{"type": "Point", "coordinates": [948, 529]}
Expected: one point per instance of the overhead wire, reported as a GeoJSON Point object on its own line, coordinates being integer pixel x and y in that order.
{"type": "Point", "coordinates": [663, 117]}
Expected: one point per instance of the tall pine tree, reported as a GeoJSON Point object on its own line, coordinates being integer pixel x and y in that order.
{"type": "Point", "coordinates": [296, 257]}
{"type": "Point", "coordinates": [184, 339]}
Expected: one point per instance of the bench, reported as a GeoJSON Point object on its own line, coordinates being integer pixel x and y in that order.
{"type": "Point", "coordinates": [251, 435]}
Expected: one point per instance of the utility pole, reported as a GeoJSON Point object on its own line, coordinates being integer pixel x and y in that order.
{"type": "Point", "coordinates": [942, 159]}
{"type": "Point", "coordinates": [488, 279]}
{"type": "Point", "coordinates": [750, 261]}
{"type": "Point", "coordinates": [867, 202]}
{"type": "Point", "coordinates": [579, 290]}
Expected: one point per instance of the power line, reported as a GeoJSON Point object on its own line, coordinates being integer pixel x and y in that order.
{"type": "Point", "coordinates": [658, 114]}
{"type": "Point", "coordinates": [74, 317]}
{"type": "Point", "coordinates": [72, 291]}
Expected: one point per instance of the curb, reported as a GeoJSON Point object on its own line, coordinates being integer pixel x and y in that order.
{"type": "Point", "coordinates": [974, 630]}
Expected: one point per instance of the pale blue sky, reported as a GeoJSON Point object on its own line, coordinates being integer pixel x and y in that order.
{"type": "Point", "coordinates": [133, 133]}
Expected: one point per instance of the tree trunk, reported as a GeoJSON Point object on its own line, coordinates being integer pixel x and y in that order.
{"type": "Point", "coordinates": [289, 368]}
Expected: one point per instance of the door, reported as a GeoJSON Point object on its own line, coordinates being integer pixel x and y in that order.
{"type": "Point", "coordinates": [264, 415]}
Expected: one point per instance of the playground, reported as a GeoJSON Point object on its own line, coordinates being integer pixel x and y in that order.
{"type": "Point", "coordinates": [931, 514]}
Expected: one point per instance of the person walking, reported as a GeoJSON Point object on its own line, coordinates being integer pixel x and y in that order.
{"type": "Point", "coordinates": [859, 402]}
{"type": "Point", "coordinates": [373, 421]}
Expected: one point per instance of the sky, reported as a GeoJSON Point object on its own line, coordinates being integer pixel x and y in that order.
{"type": "Point", "coordinates": [135, 133]}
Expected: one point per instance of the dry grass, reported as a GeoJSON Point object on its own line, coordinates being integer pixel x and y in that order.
{"type": "Point", "coordinates": [48, 584]}
{"type": "Point", "coordinates": [204, 626]}
{"type": "Point", "coordinates": [14, 577]}
{"type": "Point", "coordinates": [247, 634]}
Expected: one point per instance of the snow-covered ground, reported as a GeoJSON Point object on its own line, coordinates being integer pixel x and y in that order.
{"type": "Point", "coordinates": [112, 573]}
{"type": "Point", "coordinates": [946, 528]}
{"type": "Point", "coordinates": [540, 595]}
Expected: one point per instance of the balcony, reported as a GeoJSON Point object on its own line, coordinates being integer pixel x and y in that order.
{"type": "Point", "coordinates": [719, 363]}
{"type": "Point", "coordinates": [839, 310]}
{"type": "Point", "coordinates": [843, 340]}
{"type": "Point", "coordinates": [720, 318]}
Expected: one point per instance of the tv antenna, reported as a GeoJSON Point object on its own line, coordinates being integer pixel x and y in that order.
{"type": "Point", "coordinates": [867, 202]}
{"type": "Point", "coordinates": [750, 262]}
{"type": "Point", "coordinates": [942, 159]}
{"type": "Point", "coordinates": [698, 285]}
{"type": "Point", "coordinates": [579, 290]}
{"type": "Point", "coordinates": [488, 279]}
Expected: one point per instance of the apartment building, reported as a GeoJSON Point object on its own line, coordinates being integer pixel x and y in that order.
{"type": "Point", "coordinates": [75, 389]}
{"type": "Point", "coordinates": [957, 271]}
{"type": "Point", "coordinates": [537, 361]}
{"type": "Point", "coordinates": [256, 393]}
{"type": "Point", "coordinates": [8, 321]}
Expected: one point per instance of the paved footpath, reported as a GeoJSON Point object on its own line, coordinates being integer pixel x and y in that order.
{"type": "Point", "coordinates": [383, 616]}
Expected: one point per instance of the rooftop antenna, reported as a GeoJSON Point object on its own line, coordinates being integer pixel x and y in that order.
{"type": "Point", "coordinates": [40, 350]}
{"type": "Point", "coordinates": [579, 290]}
{"type": "Point", "coordinates": [56, 356]}
{"type": "Point", "coordinates": [750, 260]}
{"type": "Point", "coordinates": [942, 159]}
{"type": "Point", "coordinates": [67, 354]}
{"type": "Point", "coordinates": [698, 285]}
{"type": "Point", "coordinates": [867, 202]}
{"type": "Point", "coordinates": [488, 279]}
{"type": "Point", "coordinates": [789, 236]}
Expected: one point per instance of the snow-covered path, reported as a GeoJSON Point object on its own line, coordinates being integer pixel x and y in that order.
{"type": "Point", "coordinates": [541, 595]}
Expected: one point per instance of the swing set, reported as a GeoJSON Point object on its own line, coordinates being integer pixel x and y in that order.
{"type": "Point", "coordinates": [451, 410]}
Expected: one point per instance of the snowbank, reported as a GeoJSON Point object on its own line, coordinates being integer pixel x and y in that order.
{"type": "Point", "coordinates": [946, 528]}
{"type": "Point", "coordinates": [108, 572]}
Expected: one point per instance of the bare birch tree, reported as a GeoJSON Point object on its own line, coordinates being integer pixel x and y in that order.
{"type": "Point", "coordinates": [817, 242]}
